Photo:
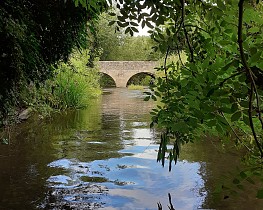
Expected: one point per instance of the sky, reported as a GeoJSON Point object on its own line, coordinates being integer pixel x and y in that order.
{"type": "Point", "coordinates": [142, 31]}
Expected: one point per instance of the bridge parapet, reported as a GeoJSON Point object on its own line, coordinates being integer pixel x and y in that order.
{"type": "Point", "coordinates": [122, 71]}
{"type": "Point", "coordinates": [128, 65]}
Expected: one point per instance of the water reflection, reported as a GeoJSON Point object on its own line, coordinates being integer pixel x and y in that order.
{"type": "Point", "coordinates": [103, 157]}
{"type": "Point", "coordinates": [114, 166]}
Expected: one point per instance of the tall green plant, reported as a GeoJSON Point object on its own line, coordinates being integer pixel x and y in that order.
{"type": "Point", "coordinates": [72, 86]}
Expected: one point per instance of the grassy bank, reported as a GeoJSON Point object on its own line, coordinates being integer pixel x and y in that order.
{"type": "Point", "coordinates": [135, 87]}
{"type": "Point", "coordinates": [72, 86]}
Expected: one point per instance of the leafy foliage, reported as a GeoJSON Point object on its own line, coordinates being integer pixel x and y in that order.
{"type": "Point", "coordinates": [71, 87]}
{"type": "Point", "coordinates": [218, 90]}
{"type": "Point", "coordinates": [115, 45]}
{"type": "Point", "coordinates": [35, 35]}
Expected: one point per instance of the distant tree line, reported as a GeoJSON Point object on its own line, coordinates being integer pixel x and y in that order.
{"type": "Point", "coordinates": [116, 45]}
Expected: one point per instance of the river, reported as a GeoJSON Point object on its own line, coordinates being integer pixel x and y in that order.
{"type": "Point", "coordinates": [104, 157]}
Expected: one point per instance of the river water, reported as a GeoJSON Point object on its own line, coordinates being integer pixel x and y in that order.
{"type": "Point", "coordinates": [104, 157]}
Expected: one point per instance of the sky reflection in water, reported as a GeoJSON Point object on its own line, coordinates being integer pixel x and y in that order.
{"type": "Point", "coordinates": [134, 180]}
{"type": "Point", "coordinates": [104, 157]}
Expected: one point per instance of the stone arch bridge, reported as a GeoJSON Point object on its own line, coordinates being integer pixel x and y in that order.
{"type": "Point", "coordinates": [122, 71]}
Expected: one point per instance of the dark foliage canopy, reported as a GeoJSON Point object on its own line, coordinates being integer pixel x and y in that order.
{"type": "Point", "coordinates": [35, 34]}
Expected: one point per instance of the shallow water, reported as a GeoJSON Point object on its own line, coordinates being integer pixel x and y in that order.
{"type": "Point", "coordinates": [104, 157]}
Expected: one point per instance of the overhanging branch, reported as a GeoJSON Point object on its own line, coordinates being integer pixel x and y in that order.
{"type": "Point", "coordinates": [253, 89]}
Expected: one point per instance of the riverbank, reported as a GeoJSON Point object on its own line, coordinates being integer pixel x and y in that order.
{"type": "Point", "coordinates": [137, 87]}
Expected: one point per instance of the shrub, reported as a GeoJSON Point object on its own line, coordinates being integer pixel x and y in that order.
{"type": "Point", "coordinates": [72, 86]}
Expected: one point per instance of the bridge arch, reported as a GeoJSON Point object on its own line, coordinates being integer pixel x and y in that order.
{"type": "Point", "coordinates": [122, 71]}
{"type": "Point", "coordinates": [106, 80]}
{"type": "Point", "coordinates": [142, 74]}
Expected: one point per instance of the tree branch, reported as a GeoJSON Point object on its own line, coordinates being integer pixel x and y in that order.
{"type": "Point", "coordinates": [233, 75]}
{"type": "Point", "coordinates": [233, 130]}
{"type": "Point", "coordinates": [185, 32]}
{"type": "Point", "coordinates": [251, 123]}
{"type": "Point", "coordinates": [251, 76]}
{"type": "Point", "coordinates": [190, 25]}
{"type": "Point", "coordinates": [165, 68]}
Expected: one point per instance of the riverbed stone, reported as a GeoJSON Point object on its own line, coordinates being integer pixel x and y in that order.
{"type": "Point", "coordinates": [25, 114]}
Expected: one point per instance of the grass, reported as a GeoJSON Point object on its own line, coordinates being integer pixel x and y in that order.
{"type": "Point", "coordinates": [135, 87]}
{"type": "Point", "coordinates": [72, 86]}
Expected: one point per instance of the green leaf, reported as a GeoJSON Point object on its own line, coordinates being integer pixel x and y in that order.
{"type": "Point", "coordinates": [154, 98]}
{"type": "Point", "coordinates": [243, 175]}
{"type": "Point", "coordinates": [219, 128]}
{"type": "Point", "coordinates": [225, 100]}
{"type": "Point", "coordinates": [260, 194]}
{"type": "Point", "coordinates": [147, 98]}
{"type": "Point", "coordinates": [161, 36]}
{"type": "Point", "coordinates": [184, 82]}
{"type": "Point", "coordinates": [157, 93]}
{"type": "Point", "coordinates": [246, 120]}
{"type": "Point", "coordinates": [111, 22]}
{"type": "Point", "coordinates": [255, 58]}
{"type": "Point", "coordinates": [234, 107]}
{"type": "Point", "coordinates": [210, 92]}
{"type": "Point", "coordinates": [127, 30]}
{"type": "Point", "coordinates": [229, 31]}
{"type": "Point", "coordinates": [221, 4]}
{"type": "Point", "coordinates": [134, 24]}
{"type": "Point", "coordinates": [111, 13]}
{"type": "Point", "coordinates": [149, 24]}
{"type": "Point", "coordinates": [131, 32]}
{"type": "Point", "coordinates": [242, 78]}
{"type": "Point", "coordinates": [168, 32]}
{"type": "Point", "coordinates": [260, 64]}
{"type": "Point", "coordinates": [134, 29]}
{"type": "Point", "coordinates": [123, 24]}
{"type": "Point", "coordinates": [143, 23]}
{"type": "Point", "coordinates": [211, 123]}
{"type": "Point", "coordinates": [236, 116]}
{"type": "Point", "coordinates": [147, 93]}
{"type": "Point", "coordinates": [180, 126]}
{"type": "Point", "coordinates": [254, 30]}
{"type": "Point", "coordinates": [121, 18]}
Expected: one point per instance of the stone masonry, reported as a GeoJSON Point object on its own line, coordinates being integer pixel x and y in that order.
{"type": "Point", "coordinates": [122, 71]}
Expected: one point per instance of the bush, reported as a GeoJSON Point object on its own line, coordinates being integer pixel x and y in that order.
{"type": "Point", "coordinates": [72, 86]}
{"type": "Point", "coordinates": [35, 35]}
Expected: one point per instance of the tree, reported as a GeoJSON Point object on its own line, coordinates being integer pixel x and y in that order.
{"type": "Point", "coordinates": [35, 35]}
{"type": "Point", "coordinates": [114, 44]}
{"type": "Point", "coordinates": [109, 39]}
{"type": "Point", "coordinates": [218, 90]}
